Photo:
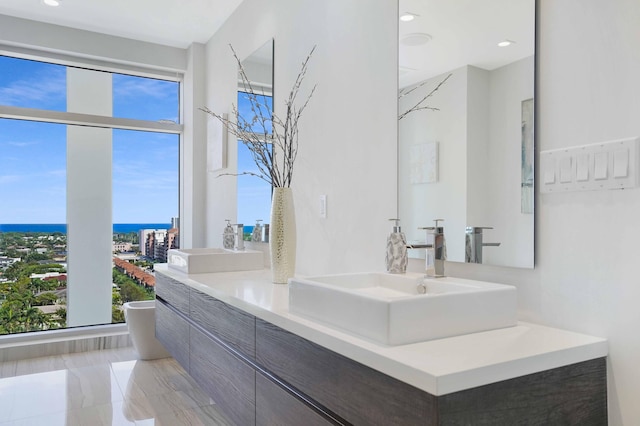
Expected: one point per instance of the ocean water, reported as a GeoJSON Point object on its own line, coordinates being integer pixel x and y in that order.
{"type": "Point", "coordinates": [49, 228]}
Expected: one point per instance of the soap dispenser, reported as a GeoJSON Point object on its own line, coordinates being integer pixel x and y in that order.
{"type": "Point", "coordinates": [396, 257]}
{"type": "Point", "coordinates": [228, 236]}
{"type": "Point", "coordinates": [256, 235]}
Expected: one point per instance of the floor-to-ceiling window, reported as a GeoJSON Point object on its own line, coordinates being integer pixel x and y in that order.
{"type": "Point", "coordinates": [89, 188]}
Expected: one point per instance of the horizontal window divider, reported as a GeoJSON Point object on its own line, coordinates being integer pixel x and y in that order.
{"type": "Point", "coordinates": [78, 119]}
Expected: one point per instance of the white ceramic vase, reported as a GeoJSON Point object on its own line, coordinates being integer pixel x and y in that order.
{"type": "Point", "coordinates": [282, 236]}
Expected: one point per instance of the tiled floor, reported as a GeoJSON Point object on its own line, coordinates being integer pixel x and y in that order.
{"type": "Point", "coordinates": [108, 387]}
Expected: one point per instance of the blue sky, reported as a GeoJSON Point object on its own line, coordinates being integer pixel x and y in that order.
{"type": "Point", "coordinates": [254, 194]}
{"type": "Point", "coordinates": [33, 155]}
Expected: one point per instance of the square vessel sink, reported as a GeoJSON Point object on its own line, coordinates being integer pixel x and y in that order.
{"type": "Point", "coordinates": [388, 309]}
{"type": "Point", "coordinates": [203, 260]}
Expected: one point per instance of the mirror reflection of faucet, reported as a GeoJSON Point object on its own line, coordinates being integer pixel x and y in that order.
{"type": "Point", "coordinates": [473, 243]}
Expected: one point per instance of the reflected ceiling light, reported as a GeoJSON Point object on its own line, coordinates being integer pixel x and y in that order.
{"type": "Point", "coordinates": [52, 3]}
{"type": "Point", "coordinates": [506, 43]}
{"type": "Point", "coordinates": [407, 16]}
{"type": "Point", "coordinates": [415, 39]}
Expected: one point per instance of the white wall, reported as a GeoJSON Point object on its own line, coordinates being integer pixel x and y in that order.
{"type": "Point", "coordinates": [347, 134]}
{"type": "Point", "coordinates": [586, 275]}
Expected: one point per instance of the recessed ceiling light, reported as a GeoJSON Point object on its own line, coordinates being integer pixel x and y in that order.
{"type": "Point", "coordinates": [506, 43]}
{"type": "Point", "coordinates": [415, 39]}
{"type": "Point", "coordinates": [52, 3]}
{"type": "Point", "coordinates": [407, 16]}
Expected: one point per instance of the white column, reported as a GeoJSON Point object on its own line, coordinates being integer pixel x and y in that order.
{"type": "Point", "coordinates": [89, 207]}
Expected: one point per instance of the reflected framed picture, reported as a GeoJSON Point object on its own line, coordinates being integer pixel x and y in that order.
{"type": "Point", "coordinates": [424, 163]}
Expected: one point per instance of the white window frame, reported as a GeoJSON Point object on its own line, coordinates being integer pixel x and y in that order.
{"type": "Point", "coordinates": [96, 121]}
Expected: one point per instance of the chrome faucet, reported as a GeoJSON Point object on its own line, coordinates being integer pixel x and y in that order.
{"type": "Point", "coordinates": [239, 241]}
{"type": "Point", "coordinates": [436, 250]}
{"type": "Point", "coordinates": [473, 244]}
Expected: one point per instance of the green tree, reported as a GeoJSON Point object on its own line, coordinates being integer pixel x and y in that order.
{"type": "Point", "coordinates": [117, 314]}
{"type": "Point", "coordinates": [47, 298]}
{"type": "Point", "coordinates": [61, 313]}
{"type": "Point", "coordinates": [131, 292]}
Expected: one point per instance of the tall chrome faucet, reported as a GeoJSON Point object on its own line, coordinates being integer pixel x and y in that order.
{"type": "Point", "coordinates": [239, 240]}
{"type": "Point", "coordinates": [436, 250]}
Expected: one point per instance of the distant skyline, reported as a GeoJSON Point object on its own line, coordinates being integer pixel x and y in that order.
{"type": "Point", "coordinates": [33, 154]}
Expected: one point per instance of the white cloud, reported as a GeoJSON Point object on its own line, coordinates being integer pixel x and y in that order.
{"type": "Point", "coordinates": [134, 87]}
{"type": "Point", "coordinates": [36, 90]}
{"type": "Point", "coordinates": [6, 179]}
{"type": "Point", "coordinates": [21, 144]}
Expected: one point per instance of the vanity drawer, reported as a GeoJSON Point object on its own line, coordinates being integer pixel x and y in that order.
{"type": "Point", "coordinates": [275, 406]}
{"type": "Point", "coordinates": [358, 394]}
{"type": "Point", "coordinates": [225, 322]}
{"type": "Point", "coordinates": [173, 332]}
{"type": "Point", "coordinates": [228, 380]}
{"type": "Point", "coordinates": [173, 292]}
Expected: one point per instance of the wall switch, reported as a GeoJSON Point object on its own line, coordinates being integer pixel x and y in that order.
{"type": "Point", "coordinates": [549, 167]}
{"type": "Point", "coordinates": [582, 168]}
{"type": "Point", "coordinates": [323, 206]}
{"type": "Point", "coordinates": [621, 163]}
{"type": "Point", "coordinates": [601, 160]}
{"type": "Point", "coordinates": [566, 175]}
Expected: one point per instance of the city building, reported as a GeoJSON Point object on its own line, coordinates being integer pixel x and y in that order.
{"type": "Point", "coordinates": [5, 261]}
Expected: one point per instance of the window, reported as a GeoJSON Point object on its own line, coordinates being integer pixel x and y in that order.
{"type": "Point", "coordinates": [75, 196]}
{"type": "Point", "coordinates": [254, 194]}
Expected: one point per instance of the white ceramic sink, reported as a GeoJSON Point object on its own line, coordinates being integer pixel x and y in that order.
{"type": "Point", "coordinates": [203, 260]}
{"type": "Point", "coordinates": [388, 309]}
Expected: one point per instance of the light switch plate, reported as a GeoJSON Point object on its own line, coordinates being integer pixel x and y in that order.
{"type": "Point", "coordinates": [607, 165]}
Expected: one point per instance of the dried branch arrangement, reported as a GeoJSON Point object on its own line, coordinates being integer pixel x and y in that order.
{"type": "Point", "coordinates": [419, 105]}
{"type": "Point", "coordinates": [272, 141]}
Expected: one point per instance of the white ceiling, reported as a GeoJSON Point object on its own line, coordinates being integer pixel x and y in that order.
{"type": "Point", "coordinates": [175, 23]}
{"type": "Point", "coordinates": [464, 32]}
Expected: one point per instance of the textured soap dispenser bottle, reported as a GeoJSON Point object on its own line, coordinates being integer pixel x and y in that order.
{"type": "Point", "coordinates": [256, 235]}
{"type": "Point", "coordinates": [228, 236]}
{"type": "Point", "coordinates": [396, 257]}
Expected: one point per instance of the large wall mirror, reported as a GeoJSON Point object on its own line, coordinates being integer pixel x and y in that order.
{"type": "Point", "coordinates": [466, 153]}
{"type": "Point", "coordinates": [254, 194]}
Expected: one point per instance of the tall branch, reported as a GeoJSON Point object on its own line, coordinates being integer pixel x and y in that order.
{"type": "Point", "coordinates": [418, 106]}
{"type": "Point", "coordinates": [266, 145]}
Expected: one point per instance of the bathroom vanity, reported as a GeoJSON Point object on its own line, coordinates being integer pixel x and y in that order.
{"type": "Point", "coordinates": [234, 334]}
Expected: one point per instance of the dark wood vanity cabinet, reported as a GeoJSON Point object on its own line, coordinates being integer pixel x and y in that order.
{"type": "Point", "coordinates": [276, 406]}
{"type": "Point", "coordinates": [173, 331]}
{"type": "Point", "coordinates": [260, 374]}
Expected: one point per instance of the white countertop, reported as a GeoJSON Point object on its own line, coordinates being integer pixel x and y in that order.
{"type": "Point", "coordinates": [438, 366]}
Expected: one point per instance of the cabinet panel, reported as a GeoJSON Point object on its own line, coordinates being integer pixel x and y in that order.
{"type": "Point", "coordinates": [353, 391]}
{"type": "Point", "coordinates": [229, 381]}
{"type": "Point", "coordinates": [229, 324]}
{"type": "Point", "coordinates": [275, 406]}
{"type": "Point", "coordinates": [173, 332]}
{"type": "Point", "coordinates": [173, 292]}
{"type": "Point", "coordinates": [571, 395]}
